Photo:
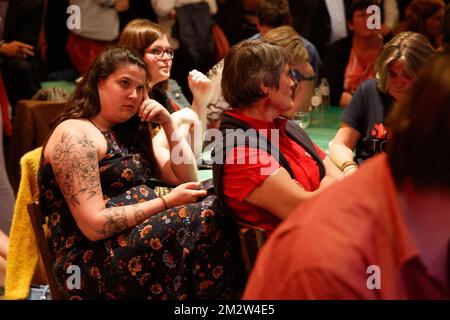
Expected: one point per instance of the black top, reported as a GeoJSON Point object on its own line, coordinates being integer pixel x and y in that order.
{"type": "Point", "coordinates": [366, 113]}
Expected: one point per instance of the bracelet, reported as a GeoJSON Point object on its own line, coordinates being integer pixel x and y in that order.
{"type": "Point", "coordinates": [347, 163]}
{"type": "Point", "coordinates": [166, 206]}
{"type": "Point", "coordinates": [352, 166]}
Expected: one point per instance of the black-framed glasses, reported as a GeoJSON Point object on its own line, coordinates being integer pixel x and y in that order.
{"type": "Point", "coordinates": [159, 52]}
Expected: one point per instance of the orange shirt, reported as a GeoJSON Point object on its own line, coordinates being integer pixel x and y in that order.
{"type": "Point", "coordinates": [324, 249]}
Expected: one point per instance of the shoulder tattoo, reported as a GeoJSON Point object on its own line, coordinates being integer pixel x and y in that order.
{"type": "Point", "coordinates": [75, 164]}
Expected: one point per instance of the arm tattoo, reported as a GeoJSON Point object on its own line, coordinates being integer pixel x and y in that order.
{"type": "Point", "coordinates": [139, 214]}
{"type": "Point", "coordinates": [75, 165]}
{"type": "Point", "coordinates": [116, 221]}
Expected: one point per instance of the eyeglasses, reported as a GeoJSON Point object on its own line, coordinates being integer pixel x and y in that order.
{"type": "Point", "coordinates": [159, 52]}
{"type": "Point", "coordinates": [295, 75]}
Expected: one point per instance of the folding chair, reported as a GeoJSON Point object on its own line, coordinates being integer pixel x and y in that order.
{"type": "Point", "coordinates": [251, 239]}
{"type": "Point", "coordinates": [38, 222]}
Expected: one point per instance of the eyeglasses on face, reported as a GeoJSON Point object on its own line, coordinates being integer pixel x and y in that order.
{"type": "Point", "coordinates": [159, 52]}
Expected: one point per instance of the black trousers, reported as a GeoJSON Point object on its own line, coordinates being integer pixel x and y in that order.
{"type": "Point", "coordinates": [21, 78]}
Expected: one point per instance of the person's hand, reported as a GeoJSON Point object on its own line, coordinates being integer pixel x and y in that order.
{"type": "Point", "coordinates": [152, 110]}
{"type": "Point", "coordinates": [185, 115]}
{"type": "Point", "coordinates": [345, 99]}
{"type": "Point", "coordinates": [199, 84]}
{"type": "Point", "coordinates": [350, 170]}
{"type": "Point", "coordinates": [17, 49]}
{"type": "Point", "coordinates": [184, 193]}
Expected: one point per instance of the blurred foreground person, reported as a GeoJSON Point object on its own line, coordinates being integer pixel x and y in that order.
{"type": "Point", "coordinates": [384, 232]}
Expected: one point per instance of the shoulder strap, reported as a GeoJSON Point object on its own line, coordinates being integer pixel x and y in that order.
{"type": "Point", "coordinates": [302, 138]}
{"type": "Point", "coordinates": [229, 122]}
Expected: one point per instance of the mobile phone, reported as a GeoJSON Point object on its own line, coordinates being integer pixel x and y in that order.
{"type": "Point", "coordinates": [207, 185]}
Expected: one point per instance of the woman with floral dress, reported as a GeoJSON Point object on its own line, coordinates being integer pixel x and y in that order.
{"type": "Point", "coordinates": [104, 220]}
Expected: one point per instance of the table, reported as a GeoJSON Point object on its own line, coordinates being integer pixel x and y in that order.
{"type": "Point", "coordinates": [320, 134]}
{"type": "Point", "coordinates": [66, 85]}
{"type": "Point", "coordinates": [324, 133]}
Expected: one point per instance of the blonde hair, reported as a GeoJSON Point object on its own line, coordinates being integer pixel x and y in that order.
{"type": "Point", "coordinates": [411, 47]}
{"type": "Point", "coordinates": [288, 38]}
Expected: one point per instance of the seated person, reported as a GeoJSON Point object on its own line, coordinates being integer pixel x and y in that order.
{"type": "Point", "coordinates": [257, 83]}
{"type": "Point", "coordinates": [351, 60]}
{"type": "Point", "coordinates": [383, 233]}
{"type": "Point", "coordinates": [425, 17]}
{"type": "Point", "coordinates": [103, 218]}
{"type": "Point", "coordinates": [151, 41]}
{"type": "Point", "coordinates": [363, 129]}
{"type": "Point", "coordinates": [276, 13]}
{"type": "Point", "coordinates": [303, 73]}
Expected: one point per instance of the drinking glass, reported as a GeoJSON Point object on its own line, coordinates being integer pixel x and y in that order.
{"type": "Point", "coordinates": [302, 118]}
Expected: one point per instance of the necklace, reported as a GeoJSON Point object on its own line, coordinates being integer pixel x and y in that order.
{"type": "Point", "coordinates": [91, 121]}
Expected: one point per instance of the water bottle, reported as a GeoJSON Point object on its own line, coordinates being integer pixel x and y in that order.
{"type": "Point", "coordinates": [316, 108]}
{"type": "Point", "coordinates": [325, 91]}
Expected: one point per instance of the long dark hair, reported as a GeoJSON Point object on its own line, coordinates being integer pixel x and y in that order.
{"type": "Point", "coordinates": [85, 102]}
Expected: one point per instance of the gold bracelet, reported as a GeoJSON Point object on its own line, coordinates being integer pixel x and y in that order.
{"type": "Point", "coordinates": [166, 206]}
{"type": "Point", "coordinates": [347, 163]}
{"type": "Point", "coordinates": [349, 167]}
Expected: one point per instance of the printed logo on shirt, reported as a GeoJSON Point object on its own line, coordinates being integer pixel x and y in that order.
{"type": "Point", "coordinates": [380, 136]}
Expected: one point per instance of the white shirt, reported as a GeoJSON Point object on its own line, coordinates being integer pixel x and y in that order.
{"type": "Point", "coordinates": [99, 20]}
{"type": "Point", "coordinates": [336, 10]}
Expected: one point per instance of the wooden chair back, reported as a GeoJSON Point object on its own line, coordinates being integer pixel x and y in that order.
{"type": "Point", "coordinates": [251, 239]}
{"type": "Point", "coordinates": [38, 222]}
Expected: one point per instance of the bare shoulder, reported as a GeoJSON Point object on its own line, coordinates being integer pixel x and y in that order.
{"type": "Point", "coordinates": [75, 134]}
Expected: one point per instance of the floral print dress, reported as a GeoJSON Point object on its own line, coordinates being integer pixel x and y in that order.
{"type": "Point", "coordinates": [180, 253]}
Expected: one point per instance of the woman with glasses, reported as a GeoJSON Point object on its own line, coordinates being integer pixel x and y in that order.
{"type": "Point", "coordinates": [151, 41]}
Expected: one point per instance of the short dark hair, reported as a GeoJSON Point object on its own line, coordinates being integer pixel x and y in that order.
{"type": "Point", "coordinates": [356, 5]}
{"type": "Point", "coordinates": [248, 65]}
{"type": "Point", "coordinates": [274, 13]}
{"type": "Point", "coordinates": [419, 149]}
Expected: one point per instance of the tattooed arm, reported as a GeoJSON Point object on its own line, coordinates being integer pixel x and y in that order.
{"type": "Point", "coordinates": [73, 154]}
